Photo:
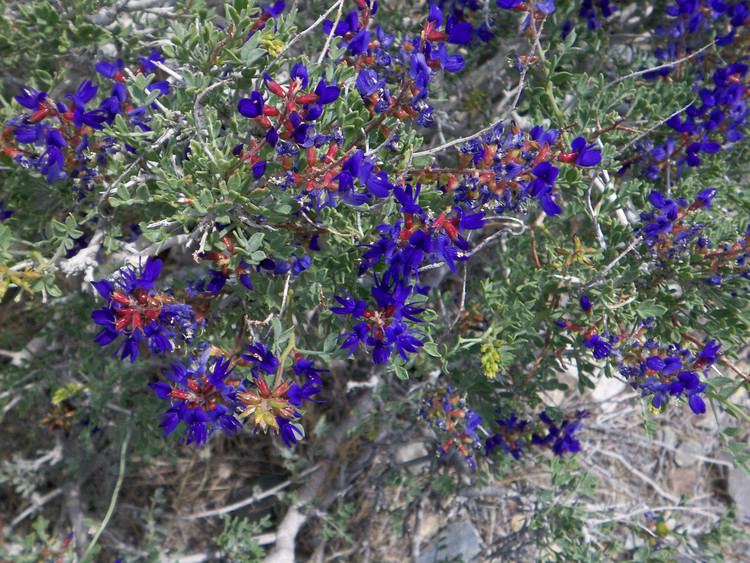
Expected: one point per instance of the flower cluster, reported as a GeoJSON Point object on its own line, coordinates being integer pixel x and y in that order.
{"type": "Point", "coordinates": [395, 75]}
{"type": "Point", "coordinates": [205, 391]}
{"type": "Point", "coordinates": [420, 239]}
{"type": "Point", "coordinates": [691, 22]}
{"type": "Point", "coordinates": [706, 127]}
{"type": "Point", "coordinates": [135, 313]}
{"type": "Point", "coordinates": [665, 229]}
{"type": "Point", "coordinates": [290, 130]}
{"type": "Point", "coordinates": [661, 372]}
{"type": "Point", "coordinates": [450, 416]}
{"type": "Point", "coordinates": [383, 327]}
{"type": "Point", "coordinates": [506, 167]}
{"type": "Point", "coordinates": [716, 120]}
{"type": "Point", "coordinates": [514, 435]}
{"type": "Point", "coordinates": [206, 394]}
{"type": "Point", "coordinates": [294, 142]}
{"type": "Point", "coordinates": [201, 393]}
{"type": "Point", "coordinates": [458, 425]}
{"type": "Point", "coordinates": [62, 138]}
{"type": "Point", "coordinates": [537, 10]}
{"type": "Point", "coordinates": [656, 370]}
{"type": "Point", "coordinates": [560, 438]}
{"type": "Point", "coordinates": [500, 169]}
{"type": "Point", "coordinates": [592, 11]}
{"type": "Point", "coordinates": [671, 236]}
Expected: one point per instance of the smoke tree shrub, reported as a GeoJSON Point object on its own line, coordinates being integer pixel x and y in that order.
{"type": "Point", "coordinates": [213, 220]}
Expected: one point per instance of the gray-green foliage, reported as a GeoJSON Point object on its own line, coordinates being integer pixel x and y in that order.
{"type": "Point", "coordinates": [501, 349]}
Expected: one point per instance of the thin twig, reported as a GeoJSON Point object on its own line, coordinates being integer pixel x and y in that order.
{"type": "Point", "coordinates": [659, 67]}
{"type": "Point", "coordinates": [168, 134]}
{"type": "Point", "coordinates": [302, 34]}
{"type": "Point", "coordinates": [704, 510]}
{"type": "Point", "coordinates": [519, 88]}
{"type": "Point", "coordinates": [462, 302]}
{"type": "Point", "coordinates": [594, 219]}
{"type": "Point", "coordinates": [35, 506]}
{"type": "Point", "coordinates": [653, 128]}
{"type": "Point", "coordinates": [198, 115]}
{"type": "Point", "coordinates": [169, 71]}
{"type": "Point", "coordinates": [608, 268]}
{"type": "Point", "coordinates": [645, 478]}
{"type": "Point", "coordinates": [486, 242]}
{"type": "Point", "coordinates": [286, 295]}
{"type": "Point", "coordinates": [327, 45]}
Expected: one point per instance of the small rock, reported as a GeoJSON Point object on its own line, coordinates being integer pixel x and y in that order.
{"type": "Point", "coordinates": [606, 389]}
{"type": "Point", "coordinates": [668, 436]}
{"type": "Point", "coordinates": [685, 454]}
{"type": "Point", "coordinates": [429, 526]}
{"type": "Point", "coordinates": [410, 452]}
{"type": "Point", "coordinates": [516, 522]}
{"type": "Point", "coordinates": [458, 540]}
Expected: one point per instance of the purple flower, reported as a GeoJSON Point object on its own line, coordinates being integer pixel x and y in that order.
{"type": "Point", "coordinates": [262, 358]}
{"type": "Point", "coordinates": [274, 9]}
{"type": "Point", "coordinates": [290, 433]}
{"type": "Point", "coordinates": [704, 199]}
{"type": "Point", "coordinates": [133, 313]}
{"type": "Point", "coordinates": [259, 168]}
{"type": "Point", "coordinates": [111, 70]}
{"type": "Point", "coordinates": [710, 353]}
{"type": "Point", "coordinates": [460, 33]}
{"type": "Point", "coordinates": [84, 94]}
{"type": "Point", "coordinates": [252, 106]}
{"type": "Point", "coordinates": [358, 44]}
{"type": "Point", "coordinates": [586, 155]}
{"type": "Point", "coordinates": [31, 98]}
{"type": "Point", "coordinates": [368, 83]}
{"type": "Point", "coordinates": [299, 72]}
{"type": "Point", "coordinates": [5, 213]}
{"type": "Point", "coordinates": [601, 347]}
{"type": "Point", "coordinates": [327, 93]}
{"type": "Point", "coordinates": [298, 395]}
{"type": "Point", "coordinates": [349, 305]}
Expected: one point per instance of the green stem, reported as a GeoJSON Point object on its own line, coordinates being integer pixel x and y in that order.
{"type": "Point", "coordinates": [282, 360]}
{"type": "Point", "coordinates": [112, 503]}
{"type": "Point", "coordinates": [553, 102]}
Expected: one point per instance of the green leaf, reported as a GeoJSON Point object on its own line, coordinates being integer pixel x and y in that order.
{"type": "Point", "coordinates": [651, 308]}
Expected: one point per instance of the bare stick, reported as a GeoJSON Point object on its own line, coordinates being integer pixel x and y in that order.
{"type": "Point", "coordinates": [645, 478]}
{"type": "Point", "coordinates": [603, 274]}
{"type": "Point", "coordinates": [594, 219]}
{"type": "Point", "coordinates": [327, 45]}
{"type": "Point", "coordinates": [655, 68]}
{"type": "Point", "coordinates": [168, 134]}
{"type": "Point", "coordinates": [34, 507]}
{"type": "Point", "coordinates": [705, 511]}
{"type": "Point", "coordinates": [310, 29]}
{"type": "Point", "coordinates": [286, 295]}
{"type": "Point", "coordinates": [654, 128]}
{"type": "Point", "coordinates": [519, 88]}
